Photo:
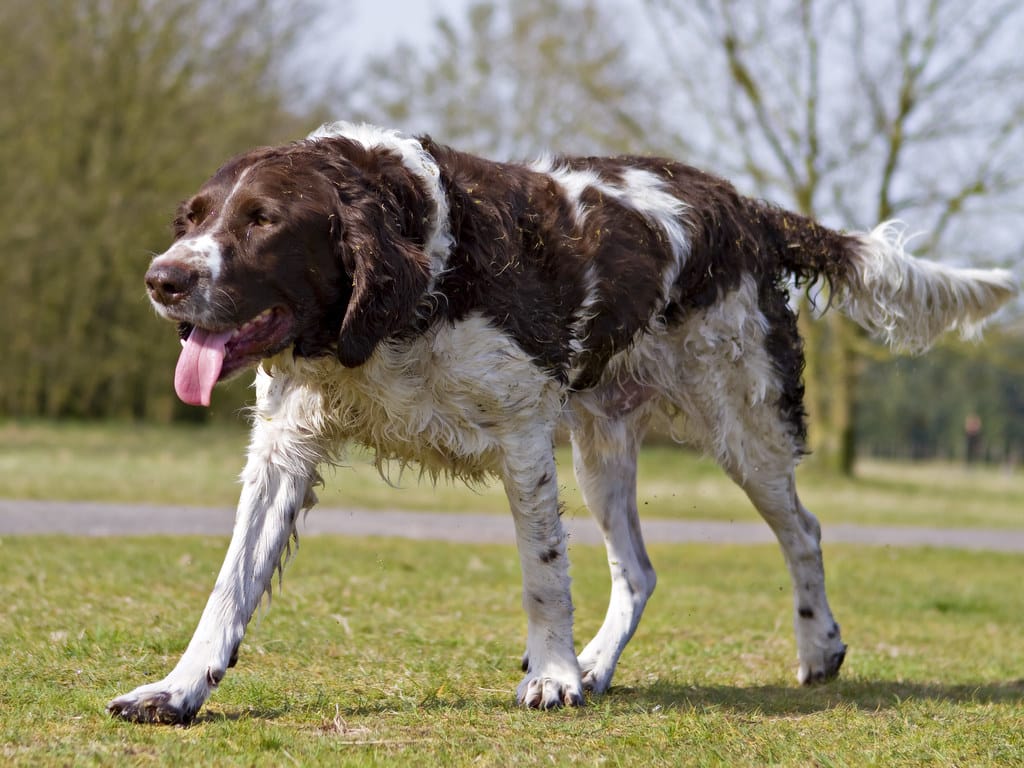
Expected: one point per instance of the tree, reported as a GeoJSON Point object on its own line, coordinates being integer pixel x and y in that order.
{"type": "Point", "coordinates": [516, 79]}
{"type": "Point", "coordinates": [114, 111]}
{"type": "Point", "coordinates": [923, 407]}
{"type": "Point", "coordinates": [858, 111]}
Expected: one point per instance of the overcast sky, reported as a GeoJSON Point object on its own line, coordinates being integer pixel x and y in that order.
{"type": "Point", "coordinates": [361, 27]}
{"type": "Point", "coordinates": [347, 31]}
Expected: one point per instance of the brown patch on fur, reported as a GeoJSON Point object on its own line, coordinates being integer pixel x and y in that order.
{"type": "Point", "coordinates": [357, 271]}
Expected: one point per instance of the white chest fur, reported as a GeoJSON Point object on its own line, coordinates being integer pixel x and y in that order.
{"type": "Point", "coordinates": [450, 399]}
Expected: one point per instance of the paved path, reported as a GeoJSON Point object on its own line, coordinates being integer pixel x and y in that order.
{"type": "Point", "coordinates": [101, 519]}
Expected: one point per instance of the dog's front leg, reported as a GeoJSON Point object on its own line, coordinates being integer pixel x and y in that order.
{"type": "Point", "coordinates": [553, 675]}
{"type": "Point", "coordinates": [276, 485]}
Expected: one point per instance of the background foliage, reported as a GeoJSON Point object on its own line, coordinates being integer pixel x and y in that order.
{"type": "Point", "coordinates": [853, 111]}
{"type": "Point", "coordinates": [116, 109]}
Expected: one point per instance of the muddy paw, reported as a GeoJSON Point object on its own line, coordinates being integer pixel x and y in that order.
{"type": "Point", "coordinates": [156, 703]}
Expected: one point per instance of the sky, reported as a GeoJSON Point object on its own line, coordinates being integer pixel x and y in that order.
{"type": "Point", "coordinates": [348, 31]}
{"type": "Point", "coordinates": [382, 23]}
{"type": "Point", "coordinates": [363, 27]}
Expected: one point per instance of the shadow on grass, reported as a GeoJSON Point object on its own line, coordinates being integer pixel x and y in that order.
{"type": "Point", "coordinates": [768, 700]}
{"type": "Point", "coordinates": [784, 700]}
{"type": "Point", "coordinates": [206, 716]}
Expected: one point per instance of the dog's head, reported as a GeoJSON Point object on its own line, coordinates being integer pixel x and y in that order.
{"type": "Point", "coordinates": [317, 245]}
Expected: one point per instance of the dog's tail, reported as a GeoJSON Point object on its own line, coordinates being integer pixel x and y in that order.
{"type": "Point", "coordinates": [907, 301]}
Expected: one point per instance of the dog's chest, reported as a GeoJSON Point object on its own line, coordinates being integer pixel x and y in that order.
{"type": "Point", "coordinates": [451, 399]}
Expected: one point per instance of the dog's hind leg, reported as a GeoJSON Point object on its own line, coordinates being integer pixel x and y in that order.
{"type": "Point", "coordinates": [277, 483]}
{"type": "Point", "coordinates": [606, 469]}
{"type": "Point", "coordinates": [760, 455]}
{"type": "Point", "coordinates": [743, 400]}
{"type": "Point", "coordinates": [819, 646]}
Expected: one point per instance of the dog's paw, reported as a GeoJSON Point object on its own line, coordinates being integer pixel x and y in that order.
{"type": "Point", "coordinates": [161, 703]}
{"type": "Point", "coordinates": [549, 693]}
{"type": "Point", "coordinates": [823, 669]}
{"type": "Point", "coordinates": [595, 678]}
{"type": "Point", "coordinates": [820, 648]}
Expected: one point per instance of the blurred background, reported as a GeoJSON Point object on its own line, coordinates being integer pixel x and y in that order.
{"type": "Point", "coordinates": [854, 111]}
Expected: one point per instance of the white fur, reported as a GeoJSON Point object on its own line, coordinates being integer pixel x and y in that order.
{"type": "Point", "coordinates": [608, 484]}
{"type": "Point", "coordinates": [583, 316]}
{"type": "Point", "coordinates": [712, 382]}
{"type": "Point", "coordinates": [465, 400]}
{"type": "Point", "coordinates": [207, 249]}
{"type": "Point", "coordinates": [910, 302]}
{"type": "Point", "coordinates": [202, 253]}
{"type": "Point", "coordinates": [451, 400]}
{"type": "Point", "coordinates": [646, 193]}
{"type": "Point", "coordinates": [420, 163]}
{"type": "Point", "coordinates": [573, 183]}
{"type": "Point", "coordinates": [276, 485]}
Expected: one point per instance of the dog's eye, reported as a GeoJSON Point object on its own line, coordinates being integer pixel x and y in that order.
{"type": "Point", "coordinates": [260, 219]}
{"type": "Point", "coordinates": [184, 222]}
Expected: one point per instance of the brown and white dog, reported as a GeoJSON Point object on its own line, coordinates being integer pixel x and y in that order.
{"type": "Point", "coordinates": [450, 311]}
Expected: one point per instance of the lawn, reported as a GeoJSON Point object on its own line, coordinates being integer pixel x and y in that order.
{"type": "Point", "coordinates": [392, 652]}
{"type": "Point", "coordinates": [385, 652]}
{"type": "Point", "coordinates": [199, 465]}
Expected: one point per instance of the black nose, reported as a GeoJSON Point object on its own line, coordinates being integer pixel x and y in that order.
{"type": "Point", "coordinates": [169, 283]}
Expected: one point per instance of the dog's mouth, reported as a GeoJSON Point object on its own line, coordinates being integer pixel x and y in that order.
{"type": "Point", "coordinates": [209, 356]}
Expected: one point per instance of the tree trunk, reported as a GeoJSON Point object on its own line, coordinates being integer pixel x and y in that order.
{"type": "Point", "coordinates": [844, 365]}
{"type": "Point", "coordinates": [831, 378]}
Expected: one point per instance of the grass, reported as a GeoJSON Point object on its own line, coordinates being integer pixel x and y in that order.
{"type": "Point", "coordinates": [193, 465]}
{"type": "Point", "coordinates": [382, 652]}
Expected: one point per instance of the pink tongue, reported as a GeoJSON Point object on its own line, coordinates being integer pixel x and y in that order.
{"type": "Point", "coordinates": [202, 357]}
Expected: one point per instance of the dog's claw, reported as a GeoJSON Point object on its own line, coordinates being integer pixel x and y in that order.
{"type": "Point", "coordinates": [548, 693]}
{"type": "Point", "coordinates": [594, 682]}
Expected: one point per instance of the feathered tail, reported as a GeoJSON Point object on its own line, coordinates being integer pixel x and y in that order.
{"type": "Point", "coordinates": [907, 301]}
{"type": "Point", "coordinates": [910, 302]}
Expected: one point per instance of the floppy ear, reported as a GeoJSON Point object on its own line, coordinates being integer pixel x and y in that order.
{"type": "Point", "coordinates": [389, 275]}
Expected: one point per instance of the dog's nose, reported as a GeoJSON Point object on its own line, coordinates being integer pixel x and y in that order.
{"type": "Point", "coordinates": [170, 282]}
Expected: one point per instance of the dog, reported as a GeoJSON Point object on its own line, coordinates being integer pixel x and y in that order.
{"type": "Point", "coordinates": [452, 312]}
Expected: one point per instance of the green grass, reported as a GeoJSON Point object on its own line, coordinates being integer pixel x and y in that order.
{"type": "Point", "coordinates": [387, 652]}
{"type": "Point", "coordinates": [382, 652]}
{"type": "Point", "coordinates": [193, 465]}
